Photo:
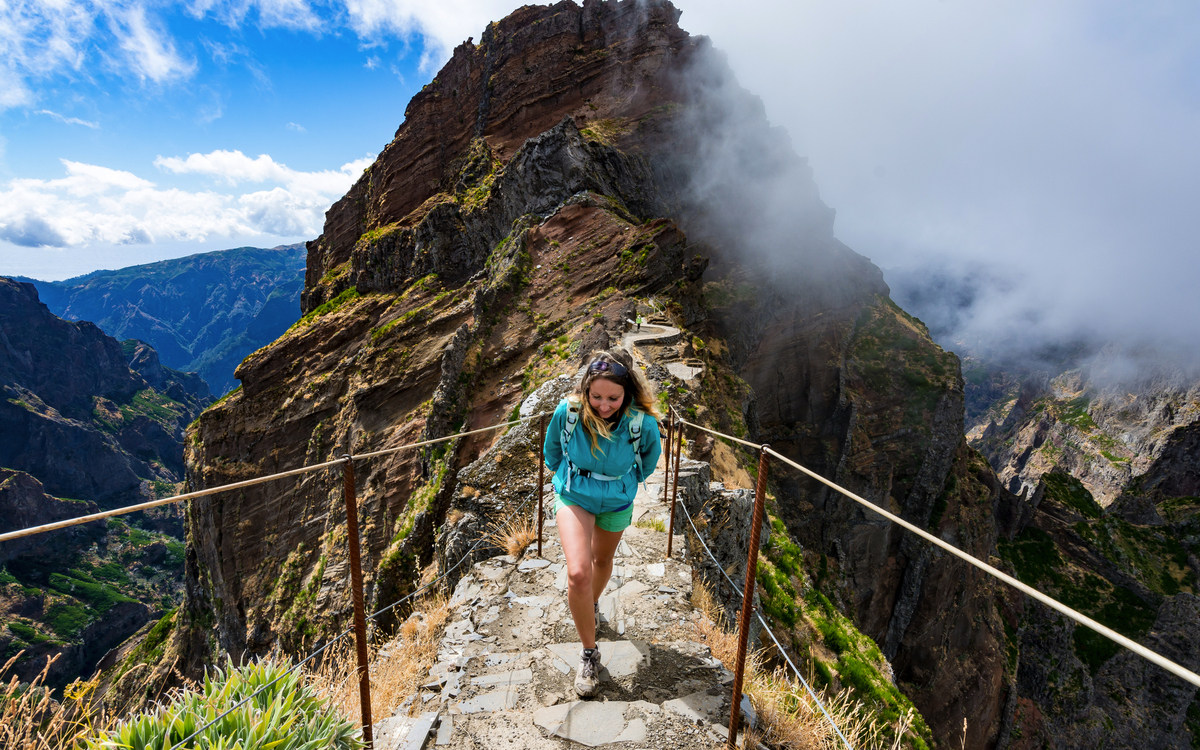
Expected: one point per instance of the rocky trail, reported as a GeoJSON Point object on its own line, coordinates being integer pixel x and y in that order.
{"type": "Point", "coordinates": [507, 659]}
{"type": "Point", "coordinates": [506, 663]}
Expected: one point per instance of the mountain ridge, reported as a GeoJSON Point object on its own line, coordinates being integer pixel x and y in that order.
{"type": "Point", "coordinates": [204, 312]}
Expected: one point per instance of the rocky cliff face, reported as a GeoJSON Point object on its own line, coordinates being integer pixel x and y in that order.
{"type": "Point", "coordinates": [84, 420]}
{"type": "Point", "coordinates": [203, 313]}
{"type": "Point", "coordinates": [574, 165]}
{"type": "Point", "coordinates": [1103, 453]}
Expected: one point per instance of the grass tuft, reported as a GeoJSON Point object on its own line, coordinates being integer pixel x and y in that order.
{"type": "Point", "coordinates": [514, 535]}
{"type": "Point", "coordinates": [654, 524]}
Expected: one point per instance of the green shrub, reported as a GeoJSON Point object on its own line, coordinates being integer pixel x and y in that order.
{"type": "Point", "coordinates": [68, 620]}
{"type": "Point", "coordinates": [1034, 555]}
{"type": "Point", "coordinates": [1070, 492]}
{"type": "Point", "coordinates": [835, 638]}
{"type": "Point", "coordinates": [284, 716]}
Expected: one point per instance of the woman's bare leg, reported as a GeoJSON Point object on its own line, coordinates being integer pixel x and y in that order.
{"type": "Point", "coordinates": [604, 547]}
{"type": "Point", "coordinates": [576, 530]}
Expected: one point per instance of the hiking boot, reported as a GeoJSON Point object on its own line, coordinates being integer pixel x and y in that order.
{"type": "Point", "coordinates": [587, 677]}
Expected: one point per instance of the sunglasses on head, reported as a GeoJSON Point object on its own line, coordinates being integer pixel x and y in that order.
{"type": "Point", "coordinates": [616, 368]}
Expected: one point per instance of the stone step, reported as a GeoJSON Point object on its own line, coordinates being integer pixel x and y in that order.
{"type": "Point", "coordinates": [507, 660]}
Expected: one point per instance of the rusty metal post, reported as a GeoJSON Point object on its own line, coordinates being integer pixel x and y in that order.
{"type": "Point", "coordinates": [356, 581]}
{"type": "Point", "coordinates": [675, 493]}
{"type": "Point", "coordinates": [541, 476]}
{"type": "Point", "coordinates": [667, 466]}
{"type": "Point", "coordinates": [760, 495]}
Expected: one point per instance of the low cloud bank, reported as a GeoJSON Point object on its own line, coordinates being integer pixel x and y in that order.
{"type": "Point", "coordinates": [96, 205]}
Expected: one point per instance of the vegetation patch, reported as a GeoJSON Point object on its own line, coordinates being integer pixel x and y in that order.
{"type": "Point", "coordinates": [604, 131]}
{"type": "Point", "coordinates": [325, 308]}
{"type": "Point", "coordinates": [1070, 492]}
{"type": "Point", "coordinates": [1034, 555]}
{"type": "Point", "coordinates": [374, 235]}
{"type": "Point", "coordinates": [287, 713]}
{"type": "Point", "coordinates": [1075, 413]}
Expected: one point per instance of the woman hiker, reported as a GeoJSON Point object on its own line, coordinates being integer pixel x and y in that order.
{"type": "Point", "coordinates": [601, 443]}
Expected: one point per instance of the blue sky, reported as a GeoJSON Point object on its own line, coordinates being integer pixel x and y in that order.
{"type": "Point", "coordinates": [1051, 144]}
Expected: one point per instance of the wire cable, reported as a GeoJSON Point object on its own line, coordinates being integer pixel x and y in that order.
{"type": "Point", "coordinates": [1054, 604]}
{"type": "Point", "coordinates": [767, 627]}
{"type": "Point", "coordinates": [247, 483]}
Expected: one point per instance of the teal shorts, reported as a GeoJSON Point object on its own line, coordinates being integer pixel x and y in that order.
{"type": "Point", "coordinates": [617, 520]}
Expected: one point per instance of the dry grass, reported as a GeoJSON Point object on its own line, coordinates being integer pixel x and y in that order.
{"type": "Point", "coordinates": [30, 719]}
{"type": "Point", "coordinates": [398, 667]}
{"type": "Point", "coordinates": [654, 524]}
{"type": "Point", "coordinates": [514, 535]}
{"type": "Point", "coordinates": [789, 718]}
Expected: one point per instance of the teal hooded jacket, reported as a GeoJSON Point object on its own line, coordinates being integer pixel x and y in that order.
{"type": "Point", "coordinates": [613, 457]}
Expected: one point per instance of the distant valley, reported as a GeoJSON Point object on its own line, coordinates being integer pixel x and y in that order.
{"type": "Point", "coordinates": [203, 313]}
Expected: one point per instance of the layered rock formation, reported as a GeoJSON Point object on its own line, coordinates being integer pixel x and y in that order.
{"type": "Point", "coordinates": [574, 164]}
{"type": "Point", "coordinates": [203, 313]}
{"type": "Point", "coordinates": [83, 427]}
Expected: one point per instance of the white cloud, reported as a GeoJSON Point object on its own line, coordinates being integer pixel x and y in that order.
{"type": "Point", "coordinates": [95, 205]}
{"type": "Point", "coordinates": [372, 63]}
{"type": "Point", "coordinates": [150, 51]}
{"type": "Point", "coordinates": [69, 120]}
{"type": "Point", "coordinates": [39, 39]}
{"type": "Point", "coordinates": [297, 128]}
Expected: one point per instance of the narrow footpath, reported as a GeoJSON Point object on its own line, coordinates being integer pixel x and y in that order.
{"type": "Point", "coordinates": [505, 670]}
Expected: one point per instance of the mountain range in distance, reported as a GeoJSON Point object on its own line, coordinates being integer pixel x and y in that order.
{"type": "Point", "coordinates": [202, 313]}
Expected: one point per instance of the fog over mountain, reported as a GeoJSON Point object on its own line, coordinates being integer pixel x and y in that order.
{"type": "Point", "coordinates": [1025, 172]}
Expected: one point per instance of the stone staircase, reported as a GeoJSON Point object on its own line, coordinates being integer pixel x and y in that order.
{"type": "Point", "coordinates": [505, 670]}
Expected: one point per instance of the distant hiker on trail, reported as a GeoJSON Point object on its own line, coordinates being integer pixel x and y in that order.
{"type": "Point", "coordinates": [597, 470]}
{"type": "Point", "coordinates": [640, 320]}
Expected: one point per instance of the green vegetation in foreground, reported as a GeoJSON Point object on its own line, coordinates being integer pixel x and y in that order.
{"type": "Point", "coordinates": [287, 714]}
{"type": "Point", "coordinates": [858, 660]}
{"type": "Point", "coordinates": [780, 573]}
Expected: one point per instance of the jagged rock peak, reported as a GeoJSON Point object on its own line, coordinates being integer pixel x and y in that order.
{"type": "Point", "coordinates": [593, 63]}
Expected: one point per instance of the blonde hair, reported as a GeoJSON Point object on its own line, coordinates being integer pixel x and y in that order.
{"type": "Point", "coordinates": [638, 391]}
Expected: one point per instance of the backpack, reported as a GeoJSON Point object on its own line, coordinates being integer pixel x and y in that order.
{"type": "Point", "coordinates": [569, 425]}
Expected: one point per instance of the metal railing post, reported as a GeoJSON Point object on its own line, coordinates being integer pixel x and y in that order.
{"type": "Point", "coordinates": [667, 467]}
{"type": "Point", "coordinates": [541, 488]}
{"type": "Point", "coordinates": [675, 492]}
{"type": "Point", "coordinates": [760, 495]}
{"type": "Point", "coordinates": [356, 581]}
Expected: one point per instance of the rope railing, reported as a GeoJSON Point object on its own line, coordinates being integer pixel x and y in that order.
{"type": "Point", "coordinates": [345, 633]}
{"type": "Point", "coordinates": [349, 494]}
{"type": "Point", "coordinates": [1054, 604]}
{"type": "Point", "coordinates": [246, 483]}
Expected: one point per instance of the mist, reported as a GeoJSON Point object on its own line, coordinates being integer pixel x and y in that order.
{"type": "Point", "coordinates": [1026, 174]}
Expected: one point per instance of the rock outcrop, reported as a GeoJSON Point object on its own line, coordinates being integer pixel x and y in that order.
{"type": "Point", "coordinates": [578, 164]}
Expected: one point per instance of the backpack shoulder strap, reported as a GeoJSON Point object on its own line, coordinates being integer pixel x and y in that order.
{"type": "Point", "coordinates": [564, 437]}
{"type": "Point", "coordinates": [569, 424]}
{"type": "Point", "coordinates": [635, 435]}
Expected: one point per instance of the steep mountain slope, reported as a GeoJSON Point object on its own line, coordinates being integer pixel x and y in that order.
{"type": "Point", "coordinates": [1104, 450]}
{"type": "Point", "coordinates": [549, 182]}
{"type": "Point", "coordinates": [85, 423]}
{"type": "Point", "coordinates": [203, 313]}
